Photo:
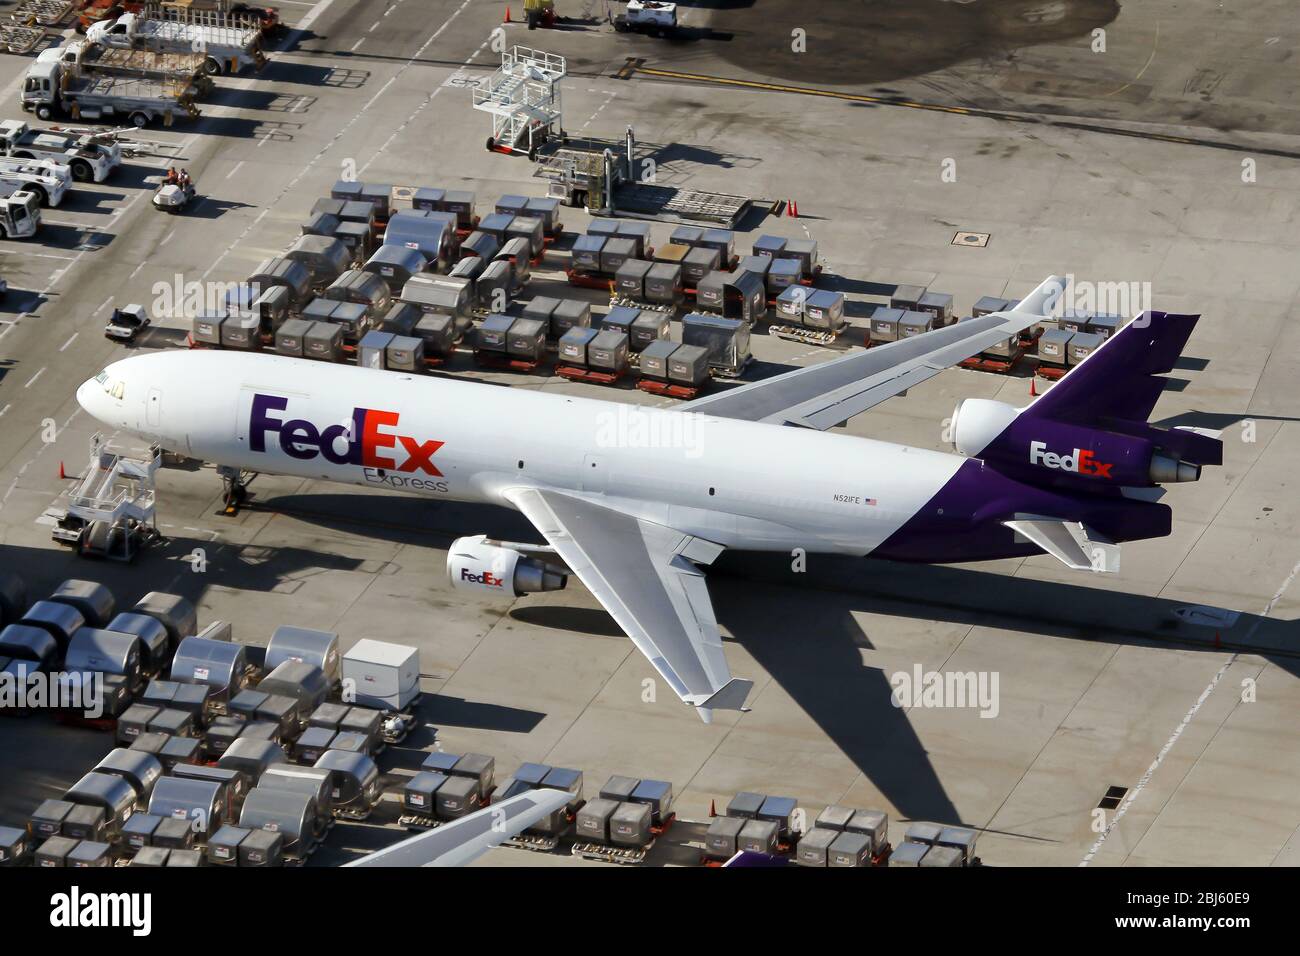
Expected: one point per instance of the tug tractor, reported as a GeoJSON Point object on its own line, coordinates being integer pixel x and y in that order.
{"type": "Point", "coordinates": [653, 17]}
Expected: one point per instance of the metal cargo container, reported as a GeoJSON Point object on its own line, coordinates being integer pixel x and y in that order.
{"type": "Point", "coordinates": [884, 324]}
{"type": "Point", "coordinates": [113, 793]}
{"type": "Point", "coordinates": [874, 824]}
{"type": "Point", "coordinates": [443, 295]}
{"type": "Point", "coordinates": [770, 246]}
{"type": "Point", "coordinates": [629, 278]}
{"type": "Point", "coordinates": [726, 340]}
{"type": "Point", "coordinates": [914, 323]}
{"type": "Point", "coordinates": [529, 228]}
{"type": "Point", "coordinates": [492, 334]}
{"type": "Point", "coordinates": [688, 365]}
{"type": "Point", "coordinates": [324, 258]}
{"type": "Point", "coordinates": [939, 305]}
{"type": "Point", "coordinates": [672, 253]}
{"type": "Point", "coordinates": [61, 621]}
{"type": "Point", "coordinates": [658, 796]}
{"type": "Point", "coordinates": [850, 849]}
{"type": "Point", "coordinates": [352, 318]}
{"type": "Point", "coordinates": [86, 823]}
{"type": "Point", "coordinates": [293, 275]}
{"type": "Point", "coordinates": [405, 353]}
{"type": "Point", "coordinates": [420, 793]}
{"type": "Point", "coordinates": [395, 265]}
{"type": "Point", "coordinates": [427, 197]}
{"type": "Point", "coordinates": [758, 265]}
{"type": "Point", "coordinates": [223, 846]}
{"type": "Point", "coordinates": [567, 314]}
{"type": "Point", "coordinates": [907, 297]}
{"type": "Point", "coordinates": [354, 210]}
{"type": "Point", "coordinates": [25, 642]}
{"type": "Point", "coordinates": [47, 819]}
{"type": "Point", "coordinates": [206, 329]}
{"type": "Point", "coordinates": [1073, 320]}
{"type": "Point", "coordinates": [698, 263]}
{"type": "Point", "coordinates": [358, 238]}
{"type": "Point", "coordinates": [834, 818]}
{"type": "Point", "coordinates": [803, 251]}
{"type": "Point", "coordinates": [172, 723]}
{"type": "Point", "coordinates": [494, 285]}
{"type": "Point", "coordinates": [459, 202]}
{"type": "Point", "coordinates": [480, 244]}
{"type": "Point", "coordinates": [53, 853]}
{"type": "Point", "coordinates": [988, 304]}
{"type": "Point", "coordinates": [159, 693]}
{"type": "Point", "coordinates": [355, 779]}
{"type": "Point", "coordinates": [372, 348]}
{"type": "Point", "coordinates": [221, 665]}
{"type": "Point", "coordinates": [781, 811]}
{"type": "Point", "coordinates": [311, 743]}
{"type": "Point", "coordinates": [654, 359]}
{"type": "Point", "coordinates": [961, 839]}
{"type": "Point", "coordinates": [618, 788]}
{"type": "Point", "coordinates": [180, 750]}
{"type": "Point", "coordinates": [495, 225]}
{"type": "Point", "coordinates": [251, 758]}
{"type": "Point", "coordinates": [427, 233]}
{"type": "Point", "coordinates": [620, 319]}
{"type": "Point", "coordinates": [586, 252]}
{"type": "Point", "coordinates": [154, 641]}
{"type": "Point", "coordinates": [314, 782]}
{"type": "Point", "coordinates": [140, 770]}
{"type": "Point", "coordinates": [745, 805]}
{"type": "Point", "coordinates": [603, 227]}
{"type": "Point", "coordinates": [289, 339]}
{"type": "Point", "coordinates": [607, 351]}
{"type": "Point", "coordinates": [282, 712]}
{"type": "Point", "coordinates": [572, 348]}
{"type": "Point", "coordinates": [134, 721]}
{"type": "Point", "coordinates": [1106, 325]}
{"type": "Point", "coordinates": [220, 734]}
{"type": "Point", "coordinates": [241, 332]}
{"type": "Point", "coordinates": [377, 194]}
{"type": "Point", "coordinates": [791, 302]}
{"type": "Point", "coordinates": [138, 831]}
{"type": "Point", "coordinates": [323, 341]}
{"type": "Point", "coordinates": [815, 845]}
{"type": "Point", "coordinates": [824, 309]}
{"type": "Point", "coordinates": [262, 848]}
{"type": "Point", "coordinates": [303, 681]}
{"type": "Point", "coordinates": [401, 318]}
{"type": "Point", "coordinates": [457, 797]}
{"type": "Point", "coordinates": [629, 825]}
{"type": "Point", "coordinates": [940, 856]}
{"type": "Point", "coordinates": [184, 858]}
{"type": "Point", "coordinates": [232, 784]}
{"type": "Point", "coordinates": [547, 209]}
{"type": "Point", "coordinates": [442, 762]}
{"type": "Point", "coordinates": [437, 333]}
{"type": "Point", "coordinates": [616, 251]}
{"type": "Point", "coordinates": [364, 288]}
{"type": "Point", "coordinates": [347, 190]}
{"type": "Point", "coordinates": [1084, 344]}
{"type": "Point", "coordinates": [519, 254]}
{"type": "Point", "coordinates": [723, 240]}
{"type": "Point", "coordinates": [150, 742]}
{"type": "Point", "coordinates": [758, 836]}
{"type": "Point", "coordinates": [638, 232]}
{"type": "Point", "coordinates": [243, 706]}
{"type": "Point", "coordinates": [663, 283]}
{"type": "Point", "coordinates": [781, 275]}
{"type": "Point", "coordinates": [649, 327]}
{"type": "Point", "coordinates": [328, 715]}
{"type": "Point", "coordinates": [94, 601]}
{"type": "Point", "coordinates": [592, 820]}
{"type": "Point", "coordinates": [386, 676]}
{"type": "Point", "coordinates": [1053, 347]}
{"type": "Point", "coordinates": [540, 307]}
{"type": "Point", "coordinates": [330, 205]}
{"type": "Point", "coordinates": [291, 815]}
{"type": "Point", "coordinates": [95, 649]}
{"type": "Point", "coordinates": [921, 832]}
{"type": "Point", "coordinates": [478, 767]}
{"type": "Point", "coordinates": [710, 292]}
{"type": "Point", "coordinates": [321, 224]}
{"type": "Point", "coordinates": [362, 720]}
{"type": "Point", "coordinates": [720, 840]}
{"type": "Point", "coordinates": [511, 205]}
{"type": "Point", "coordinates": [686, 235]}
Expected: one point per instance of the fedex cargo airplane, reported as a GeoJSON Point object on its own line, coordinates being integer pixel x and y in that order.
{"type": "Point", "coordinates": [636, 517]}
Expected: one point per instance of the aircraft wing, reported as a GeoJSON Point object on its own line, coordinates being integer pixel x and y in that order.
{"type": "Point", "coordinates": [827, 394]}
{"type": "Point", "coordinates": [646, 576]}
{"type": "Point", "coordinates": [465, 840]}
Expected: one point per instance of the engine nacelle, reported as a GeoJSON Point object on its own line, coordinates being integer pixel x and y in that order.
{"type": "Point", "coordinates": [976, 422]}
{"type": "Point", "coordinates": [475, 565]}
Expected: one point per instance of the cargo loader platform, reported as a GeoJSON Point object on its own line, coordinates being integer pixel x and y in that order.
{"type": "Point", "coordinates": [668, 389]}
{"type": "Point", "coordinates": [576, 373]}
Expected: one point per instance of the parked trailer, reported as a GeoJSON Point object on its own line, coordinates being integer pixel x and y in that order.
{"type": "Point", "coordinates": [88, 157]}
{"type": "Point", "coordinates": [225, 48]}
{"type": "Point", "coordinates": [86, 58]}
{"type": "Point", "coordinates": [48, 179]}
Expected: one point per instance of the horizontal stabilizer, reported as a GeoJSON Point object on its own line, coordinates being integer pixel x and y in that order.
{"type": "Point", "coordinates": [1069, 542]}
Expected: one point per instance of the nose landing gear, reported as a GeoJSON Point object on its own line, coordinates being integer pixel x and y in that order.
{"type": "Point", "coordinates": [235, 482]}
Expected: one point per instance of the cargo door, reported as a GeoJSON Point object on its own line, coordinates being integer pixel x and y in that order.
{"type": "Point", "coordinates": [153, 407]}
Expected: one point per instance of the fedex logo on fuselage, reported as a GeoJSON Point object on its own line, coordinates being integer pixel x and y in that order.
{"type": "Point", "coordinates": [369, 439]}
{"type": "Point", "coordinates": [1081, 462]}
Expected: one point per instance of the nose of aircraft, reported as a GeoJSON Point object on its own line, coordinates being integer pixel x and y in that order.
{"type": "Point", "coordinates": [102, 397]}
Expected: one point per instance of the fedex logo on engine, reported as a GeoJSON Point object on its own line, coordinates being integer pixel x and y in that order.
{"type": "Point", "coordinates": [486, 578]}
{"type": "Point", "coordinates": [1081, 462]}
{"type": "Point", "coordinates": [370, 438]}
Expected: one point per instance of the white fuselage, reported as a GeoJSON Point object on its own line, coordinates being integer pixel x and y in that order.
{"type": "Point", "coordinates": [740, 484]}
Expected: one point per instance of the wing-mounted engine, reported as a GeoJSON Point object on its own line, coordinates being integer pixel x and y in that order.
{"type": "Point", "coordinates": [476, 564]}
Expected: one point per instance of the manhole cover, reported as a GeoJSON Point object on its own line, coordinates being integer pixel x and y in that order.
{"type": "Point", "coordinates": [977, 239]}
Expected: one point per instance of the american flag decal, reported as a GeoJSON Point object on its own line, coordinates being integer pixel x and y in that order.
{"type": "Point", "coordinates": [869, 501]}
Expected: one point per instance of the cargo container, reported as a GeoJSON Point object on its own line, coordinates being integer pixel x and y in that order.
{"type": "Point", "coordinates": [324, 258]}
{"type": "Point", "coordinates": [629, 278]}
{"type": "Point", "coordinates": [60, 621]}
{"type": "Point", "coordinates": [86, 823]}
{"type": "Point", "coordinates": [289, 273]}
{"type": "Point", "coordinates": [1073, 320]}
{"type": "Point", "coordinates": [907, 297]}
{"type": "Point", "coordinates": [289, 340]}
{"type": "Point", "coordinates": [586, 252]}
{"type": "Point", "coordinates": [884, 324]}
{"type": "Point", "coordinates": [495, 286]}
{"type": "Point", "coordinates": [251, 757]}
{"type": "Point", "coordinates": [909, 854]}
{"type": "Point", "coordinates": [173, 834]}
{"type": "Point", "coordinates": [437, 333]}
{"type": "Point", "coordinates": [540, 307]}
{"type": "Point", "coordinates": [15, 845]}
{"type": "Point", "coordinates": [134, 721]}
{"type": "Point", "coordinates": [321, 224]}
{"type": "Point", "coordinates": [290, 815]}
{"type": "Point", "coordinates": [758, 836]}
{"type": "Point", "coordinates": [243, 706]}
{"type": "Point", "coordinates": [150, 742]}
{"type": "Point", "coordinates": [723, 240]}
{"type": "Point", "coordinates": [478, 767]}
{"type": "Point", "coordinates": [802, 251]}
{"type": "Point", "coordinates": [457, 797]}
{"type": "Point", "coordinates": [616, 251]}
{"type": "Point", "coordinates": [440, 295]}
{"type": "Point", "coordinates": [222, 665]}
{"type": "Point", "coordinates": [517, 253]}
{"type": "Point", "coordinates": [988, 304]}
{"type": "Point", "coordinates": [603, 227]}
{"type": "Point", "coordinates": [176, 613]}
{"type": "Point", "coordinates": [663, 283]}
{"type": "Point", "coordinates": [672, 253]}
{"type": "Point", "coordinates": [921, 832]}
{"type": "Point", "coordinates": [688, 365]}
{"type": "Point", "coordinates": [745, 805]}
{"type": "Point", "coordinates": [155, 645]}
{"type": "Point", "coordinates": [358, 238]}
{"type": "Point", "coordinates": [529, 228]}
{"type": "Point", "coordinates": [940, 856]}
{"type": "Point", "coordinates": [573, 344]}
{"type": "Point", "coordinates": [93, 600]}
{"type": "Point", "coordinates": [180, 750]}
{"type": "Point", "coordinates": [283, 713]}
{"type": "Point", "coordinates": [53, 853]}
{"type": "Point", "coordinates": [658, 796]}
{"type": "Point", "coordinates": [547, 209]}
{"type": "Point", "coordinates": [849, 849]}
{"type": "Point", "coordinates": [141, 770]}
{"type": "Point", "coordinates": [591, 822]}
{"type": "Point", "coordinates": [372, 348]}
{"type": "Point", "coordinates": [441, 762]}
{"type": "Point", "coordinates": [300, 680]}
{"type": "Point", "coordinates": [427, 233]}
{"type": "Point", "coordinates": [619, 788]}
{"type": "Point", "coordinates": [961, 839]}
{"type": "Point", "coordinates": [939, 305]}
{"type": "Point", "coordinates": [138, 831]}
{"type": "Point", "coordinates": [738, 295]}
{"type": "Point", "coordinates": [395, 265]}
{"type": "Point", "coordinates": [419, 795]}
{"type": "Point", "coordinates": [47, 819]}
{"type": "Point", "coordinates": [791, 302]}
{"type": "Point", "coordinates": [781, 811]}
{"type": "Point", "coordinates": [654, 359]}
{"type": "Point", "coordinates": [874, 824]}
{"type": "Point", "coordinates": [25, 642]}
{"type": "Point", "coordinates": [314, 782]}
{"type": "Point", "coordinates": [698, 263]}
{"type": "Point", "coordinates": [311, 743]}
{"type": "Point", "coordinates": [495, 225]}
{"type": "Point", "coordinates": [814, 846]}
{"type": "Point", "coordinates": [721, 838]}
{"type": "Point", "coordinates": [1106, 325]}
{"type": "Point", "coordinates": [1054, 347]}
{"type": "Point", "coordinates": [824, 310]}
{"type": "Point", "coordinates": [363, 288]}
{"type": "Point", "coordinates": [758, 265]}
{"type": "Point", "coordinates": [355, 785]}
{"type": "Point", "coordinates": [241, 332]}
{"type": "Point", "coordinates": [223, 846]}
{"type": "Point", "coordinates": [629, 825]}
{"type": "Point", "coordinates": [648, 328]}
{"type": "Point", "coordinates": [493, 334]}
{"type": "Point", "coordinates": [480, 244]}
{"type": "Point", "coordinates": [323, 341]}
{"type": "Point", "coordinates": [608, 351]}
{"type": "Point", "coordinates": [511, 205]}
{"type": "Point", "coordinates": [405, 353]}
{"type": "Point", "coordinates": [108, 652]}
{"type": "Point", "coordinates": [781, 275]}
{"type": "Point", "coordinates": [262, 848]}
{"type": "Point", "coordinates": [726, 340]}
{"type": "Point", "coordinates": [356, 211]}
{"type": "Point", "coordinates": [401, 318]}
{"type": "Point", "coordinates": [1082, 345]}
{"type": "Point", "coordinates": [112, 793]}
{"type": "Point", "coordinates": [220, 733]}
{"type": "Point", "coordinates": [385, 676]}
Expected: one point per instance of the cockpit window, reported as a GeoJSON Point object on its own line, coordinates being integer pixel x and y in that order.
{"type": "Point", "coordinates": [114, 387]}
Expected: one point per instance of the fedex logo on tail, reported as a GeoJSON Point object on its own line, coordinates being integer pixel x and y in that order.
{"type": "Point", "coordinates": [1081, 462]}
{"type": "Point", "coordinates": [370, 438]}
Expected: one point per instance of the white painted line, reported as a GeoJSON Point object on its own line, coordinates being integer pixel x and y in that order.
{"type": "Point", "coordinates": [33, 379]}
{"type": "Point", "coordinates": [235, 170]}
{"type": "Point", "coordinates": [372, 27]}
{"type": "Point", "coordinates": [5, 409]}
{"type": "Point", "coordinates": [103, 305]}
{"type": "Point", "coordinates": [353, 48]}
{"type": "Point", "coordinates": [72, 339]}
{"type": "Point", "coordinates": [136, 271]}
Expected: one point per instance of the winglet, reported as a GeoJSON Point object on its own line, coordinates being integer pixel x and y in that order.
{"type": "Point", "coordinates": [730, 697]}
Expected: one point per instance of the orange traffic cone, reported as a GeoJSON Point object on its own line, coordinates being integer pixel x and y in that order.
{"type": "Point", "coordinates": [507, 19]}
{"type": "Point", "coordinates": [713, 808]}
{"type": "Point", "coordinates": [62, 476]}
{"type": "Point", "coordinates": [1033, 391]}
{"type": "Point", "coordinates": [791, 208]}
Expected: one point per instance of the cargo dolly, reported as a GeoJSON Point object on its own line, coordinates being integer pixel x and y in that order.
{"type": "Point", "coordinates": [576, 373]}
{"type": "Point", "coordinates": [669, 389]}
{"type": "Point", "coordinates": [503, 362]}
{"type": "Point", "coordinates": [809, 336]}
{"type": "Point", "coordinates": [608, 853]}
{"type": "Point", "coordinates": [46, 13]}
{"type": "Point", "coordinates": [589, 280]}
{"type": "Point", "coordinates": [18, 38]}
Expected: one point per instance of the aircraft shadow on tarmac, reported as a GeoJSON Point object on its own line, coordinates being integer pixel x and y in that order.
{"type": "Point", "coordinates": [69, 238]}
{"type": "Point", "coordinates": [17, 301]}
{"type": "Point", "coordinates": [239, 127]}
{"type": "Point", "coordinates": [286, 71]}
{"type": "Point", "coordinates": [81, 200]}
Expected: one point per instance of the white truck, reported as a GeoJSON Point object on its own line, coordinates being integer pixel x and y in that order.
{"type": "Point", "coordinates": [87, 157]}
{"type": "Point", "coordinates": [50, 181]}
{"type": "Point", "coordinates": [655, 17]}
{"type": "Point", "coordinates": [52, 87]}
{"type": "Point", "coordinates": [224, 48]}
{"type": "Point", "coordinates": [20, 212]}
